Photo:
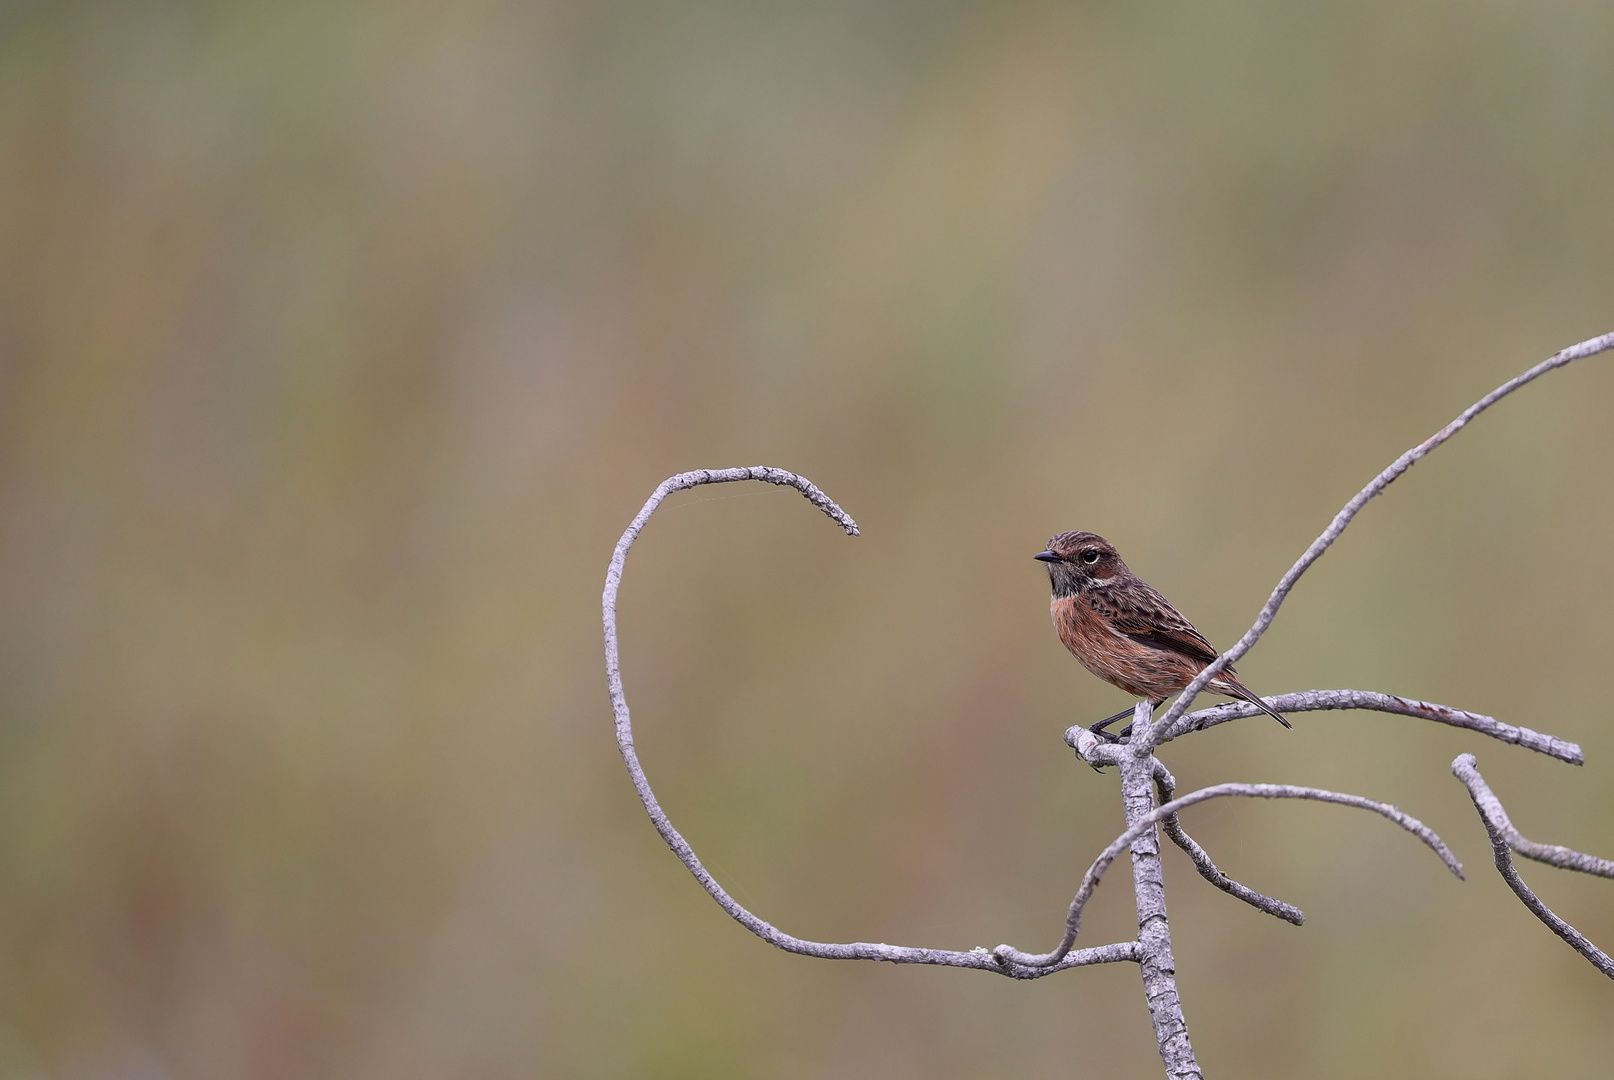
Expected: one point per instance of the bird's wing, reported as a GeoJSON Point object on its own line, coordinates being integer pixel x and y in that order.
{"type": "Point", "coordinates": [1139, 612]}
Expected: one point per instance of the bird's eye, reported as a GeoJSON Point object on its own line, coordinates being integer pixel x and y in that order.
{"type": "Point", "coordinates": [1089, 557]}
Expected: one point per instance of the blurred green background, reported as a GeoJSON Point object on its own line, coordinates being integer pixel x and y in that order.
{"type": "Point", "coordinates": [339, 342]}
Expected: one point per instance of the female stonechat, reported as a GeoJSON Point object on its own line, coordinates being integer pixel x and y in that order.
{"type": "Point", "coordinates": [1125, 632]}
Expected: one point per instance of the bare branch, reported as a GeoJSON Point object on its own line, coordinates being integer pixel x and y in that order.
{"type": "Point", "coordinates": [1216, 791]}
{"type": "Point", "coordinates": [1504, 836]}
{"type": "Point", "coordinates": [1323, 700]}
{"type": "Point", "coordinates": [1167, 785]}
{"type": "Point", "coordinates": [896, 954]}
{"type": "Point", "coordinates": [1168, 723]}
{"type": "Point", "coordinates": [1466, 769]}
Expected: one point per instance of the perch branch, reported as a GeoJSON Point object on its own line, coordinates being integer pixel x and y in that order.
{"type": "Point", "coordinates": [896, 954]}
{"type": "Point", "coordinates": [1167, 725]}
{"type": "Point", "coordinates": [1167, 786]}
{"type": "Point", "coordinates": [1504, 837]}
{"type": "Point", "coordinates": [1318, 700]}
{"type": "Point", "coordinates": [1217, 791]}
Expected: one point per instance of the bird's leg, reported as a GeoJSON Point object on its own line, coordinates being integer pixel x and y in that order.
{"type": "Point", "coordinates": [1126, 732]}
{"type": "Point", "coordinates": [1098, 728]}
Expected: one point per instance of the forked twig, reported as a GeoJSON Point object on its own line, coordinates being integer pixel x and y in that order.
{"type": "Point", "coordinates": [1505, 839]}
{"type": "Point", "coordinates": [1166, 784]}
{"type": "Point", "coordinates": [1168, 724]}
{"type": "Point", "coordinates": [1090, 880]}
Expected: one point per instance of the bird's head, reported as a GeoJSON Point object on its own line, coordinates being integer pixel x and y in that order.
{"type": "Point", "coordinates": [1077, 560]}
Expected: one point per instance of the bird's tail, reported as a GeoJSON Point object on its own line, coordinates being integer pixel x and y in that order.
{"type": "Point", "coordinates": [1238, 689]}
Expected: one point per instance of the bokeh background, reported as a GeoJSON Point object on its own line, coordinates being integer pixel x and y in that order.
{"type": "Point", "coordinates": [339, 342]}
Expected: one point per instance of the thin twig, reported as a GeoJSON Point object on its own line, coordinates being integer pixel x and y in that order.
{"type": "Point", "coordinates": [1167, 785]}
{"type": "Point", "coordinates": [1504, 836]}
{"type": "Point", "coordinates": [1167, 725]}
{"type": "Point", "coordinates": [980, 959]}
{"type": "Point", "coordinates": [1324, 700]}
{"type": "Point", "coordinates": [1216, 791]}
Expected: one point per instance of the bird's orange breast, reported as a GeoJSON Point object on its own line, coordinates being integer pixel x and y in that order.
{"type": "Point", "coordinates": [1119, 660]}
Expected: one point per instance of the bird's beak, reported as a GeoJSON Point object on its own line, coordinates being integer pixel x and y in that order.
{"type": "Point", "coordinates": [1047, 556]}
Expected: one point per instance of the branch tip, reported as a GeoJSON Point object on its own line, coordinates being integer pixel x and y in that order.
{"type": "Point", "coordinates": [1505, 840]}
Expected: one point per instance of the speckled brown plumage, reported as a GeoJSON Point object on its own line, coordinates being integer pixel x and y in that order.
{"type": "Point", "coordinates": [1122, 630]}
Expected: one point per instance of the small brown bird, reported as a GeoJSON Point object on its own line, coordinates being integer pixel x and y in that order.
{"type": "Point", "coordinates": [1125, 632]}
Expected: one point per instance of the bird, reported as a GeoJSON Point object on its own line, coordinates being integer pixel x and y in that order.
{"type": "Point", "coordinates": [1124, 631]}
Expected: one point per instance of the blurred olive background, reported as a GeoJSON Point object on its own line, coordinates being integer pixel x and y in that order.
{"type": "Point", "coordinates": [339, 342]}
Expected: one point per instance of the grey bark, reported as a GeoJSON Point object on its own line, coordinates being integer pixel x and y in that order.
{"type": "Point", "coordinates": [1154, 929]}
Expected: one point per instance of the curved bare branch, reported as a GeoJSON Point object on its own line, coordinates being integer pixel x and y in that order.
{"type": "Point", "coordinates": [1216, 791]}
{"type": "Point", "coordinates": [1166, 784]}
{"type": "Point", "coordinates": [1167, 724]}
{"type": "Point", "coordinates": [858, 950]}
{"type": "Point", "coordinates": [1327, 700]}
{"type": "Point", "coordinates": [1504, 836]}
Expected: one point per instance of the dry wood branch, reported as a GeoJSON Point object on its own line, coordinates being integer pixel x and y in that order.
{"type": "Point", "coordinates": [1167, 725]}
{"type": "Point", "coordinates": [1326, 700]}
{"type": "Point", "coordinates": [1217, 791]}
{"type": "Point", "coordinates": [1166, 784]}
{"type": "Point", "coordinates": [1504, 837]}
{"type": "Point", "coordinates": [977, 958]}
{"type": "Point", "coordinates": [1157, 966]}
